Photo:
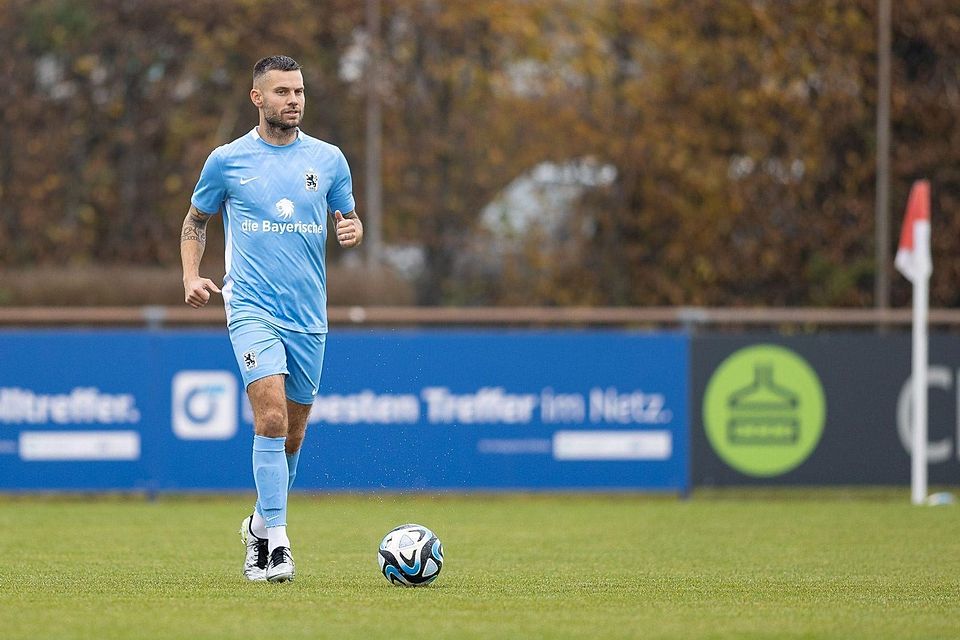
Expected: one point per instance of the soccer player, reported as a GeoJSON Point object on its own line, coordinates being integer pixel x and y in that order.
{"type": "Point", "coordinates": [275, 187]}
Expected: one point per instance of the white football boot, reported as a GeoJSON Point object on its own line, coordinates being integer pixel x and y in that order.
{"type": "Point", "coordinates": [255, 563]}
{"type": "Point", "coordinates": [280, 565]}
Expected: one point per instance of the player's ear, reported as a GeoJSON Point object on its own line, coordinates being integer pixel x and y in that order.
{"type": "Point", "coordinates": [256, 98]}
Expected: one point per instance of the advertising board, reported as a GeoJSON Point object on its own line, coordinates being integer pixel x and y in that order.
{"type": "Point", "coordinates": [397, 410]}
{"type": "Point", "coordinates": [828, 409]}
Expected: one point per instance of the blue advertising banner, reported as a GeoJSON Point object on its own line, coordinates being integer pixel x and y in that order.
{"type": "Point", "coordinates": [397, 410]}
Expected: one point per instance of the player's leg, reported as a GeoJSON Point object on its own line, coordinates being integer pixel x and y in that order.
{"type": "Point", "coordinates": [297, 415]}
{"type": "Point", "coordinates": [303, 359]}
{"type": "Point", "coordinates": [280, 566]}
{"type": "Point", "coordinates": [305, 365]}
{"type": "Point", "coordinates": [267, 399]}
{"type": "Point", "coordinates": [271, 474]}
{"type": "Point", "coordinates": [262, 361]}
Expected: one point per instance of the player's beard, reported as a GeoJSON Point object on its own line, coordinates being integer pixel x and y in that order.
{"type": "Point", "coordinates": [276, 121]}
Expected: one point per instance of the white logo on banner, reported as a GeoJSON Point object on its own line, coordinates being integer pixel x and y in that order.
{"type": "Point", "coordinates": [938, 377]}
{"type": "Point", "coordinates": [204, 405]}
{"type": "Point", "coordinates": [86, 405]}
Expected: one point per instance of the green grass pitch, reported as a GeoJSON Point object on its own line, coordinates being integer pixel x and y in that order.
{"type": "Point", "coordinates": [724, 564]}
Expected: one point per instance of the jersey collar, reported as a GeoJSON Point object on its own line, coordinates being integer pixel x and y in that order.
{"type": "Point", "coordinates": [256, 136]}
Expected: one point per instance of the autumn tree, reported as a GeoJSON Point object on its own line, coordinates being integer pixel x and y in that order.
{"type": "Point", "coordinates": [740, 135]}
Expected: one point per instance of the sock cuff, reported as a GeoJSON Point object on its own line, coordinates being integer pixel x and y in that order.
{"type": "Point", "coordinates": [263, 443]}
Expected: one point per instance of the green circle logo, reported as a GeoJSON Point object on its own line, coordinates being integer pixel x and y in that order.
{"type": "Point", "coordinates": [764, 410]}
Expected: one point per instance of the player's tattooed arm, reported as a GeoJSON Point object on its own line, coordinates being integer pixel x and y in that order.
{"type": "Point", "coordinates": [193, 239]}
{"type": "Point", "coordinates": [195, 226]}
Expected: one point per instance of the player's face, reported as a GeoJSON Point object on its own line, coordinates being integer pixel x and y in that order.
{"type": "Point", "coordinates": [282, 98]}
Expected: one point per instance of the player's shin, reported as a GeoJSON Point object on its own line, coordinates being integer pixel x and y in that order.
{"type": "Point", "coordinates": [293, 459]}
{"type": "Point", "coordinates": [271, 476]}
{"type": "Point", "coordinates": [259, 523]}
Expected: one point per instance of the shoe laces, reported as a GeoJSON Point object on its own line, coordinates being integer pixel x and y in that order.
{"type": "Point", "coordinates": [262, 552]}
{"type": "Point", "coordinates": [279, 556]}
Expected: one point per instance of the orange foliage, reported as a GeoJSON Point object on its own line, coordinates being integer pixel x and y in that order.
{"type": "Point", "coordinates": [742, 134]}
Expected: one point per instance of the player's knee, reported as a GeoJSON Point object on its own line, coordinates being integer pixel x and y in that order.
{"type": "Point", "coordinates": [272, 423]}
{"type": "Point", "coordinates": [293, 444]}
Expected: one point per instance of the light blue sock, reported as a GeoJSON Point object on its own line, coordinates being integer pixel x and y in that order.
{"type": "Point", "coordinates": [270, 475]}
{"type": "Point", "coordinates": [293, 459]}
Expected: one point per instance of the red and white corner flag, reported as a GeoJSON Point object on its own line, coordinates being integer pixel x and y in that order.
{"type": "Point", "coordinates": [914, 262]}
{"type": "Point", "coordinates": [913, 254]}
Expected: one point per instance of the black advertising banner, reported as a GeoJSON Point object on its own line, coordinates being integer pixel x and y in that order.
{"type": "Point", "coordinates": [824, 409]}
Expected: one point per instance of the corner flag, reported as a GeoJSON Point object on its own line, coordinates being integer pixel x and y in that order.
{"type": "Point", "coordinates": [914, 262]}
{"type": "Point", "coordinates": [913, 254]}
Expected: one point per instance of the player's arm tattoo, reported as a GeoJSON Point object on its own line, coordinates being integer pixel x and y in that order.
{"type": "Point", "coordinates": [195, 226]}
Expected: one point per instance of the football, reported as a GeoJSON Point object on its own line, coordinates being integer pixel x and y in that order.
{"type": "Point", "coordinates": [410, 556]}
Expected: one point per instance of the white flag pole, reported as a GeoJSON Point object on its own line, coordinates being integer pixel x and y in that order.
{"type": "Point", "coordinates": [921, 296]}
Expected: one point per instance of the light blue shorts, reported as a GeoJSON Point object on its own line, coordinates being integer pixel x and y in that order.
{"type": "Point", "coordinates": [263, 349]}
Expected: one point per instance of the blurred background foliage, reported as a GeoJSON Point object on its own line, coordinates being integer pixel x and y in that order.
{"type": "Point", "coordinates": [551, 152]}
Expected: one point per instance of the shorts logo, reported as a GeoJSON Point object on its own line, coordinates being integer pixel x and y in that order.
{"type": "Point", "coordinates": [204, 405]}
{"type": "Point", "coordinates": [250, 360]}
{"type": "Point", "coordinates": [284, 209]}
{"type": "Point", "coordinates": [311, 181]}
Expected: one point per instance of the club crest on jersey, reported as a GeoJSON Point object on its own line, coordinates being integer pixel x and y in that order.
{"type": "Point", "coordinates": [284, 209]}
{"type": "Point", "coordinates": [250, 360]}
{"type": "Point", "coordinates": [311, 181]}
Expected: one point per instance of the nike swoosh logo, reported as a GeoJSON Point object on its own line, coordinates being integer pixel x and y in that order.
{"type": "Point", "coordinates": [272, 517]}
{"type": "Point", "coordinates": [244, 181]}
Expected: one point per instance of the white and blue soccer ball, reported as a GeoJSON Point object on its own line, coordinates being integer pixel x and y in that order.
{"type": "Point", "coordinates": [410, 556]}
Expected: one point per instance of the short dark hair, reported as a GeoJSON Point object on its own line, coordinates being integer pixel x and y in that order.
{"type": "Point", "coordinates": [274, 63]}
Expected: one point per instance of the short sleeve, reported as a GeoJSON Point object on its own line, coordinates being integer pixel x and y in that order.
{"type": "Point", "coordinates": [211, 190]}
{"type": "Point", "coordinates": [340, 196]}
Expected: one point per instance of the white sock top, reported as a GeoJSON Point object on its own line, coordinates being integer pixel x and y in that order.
{"type": "Point", "coordinates": [277, 537]}
{"type": "Point", "coordinates": [258, 526]}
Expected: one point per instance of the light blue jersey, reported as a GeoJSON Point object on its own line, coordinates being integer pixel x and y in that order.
{"type": "Point", "coordinates": [275, 202]}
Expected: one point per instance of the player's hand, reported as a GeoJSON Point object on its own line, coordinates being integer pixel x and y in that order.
{"type": "Point", "coordinates": [197, 291]}
{"type": "Point", "coordinates": [349, 230]}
